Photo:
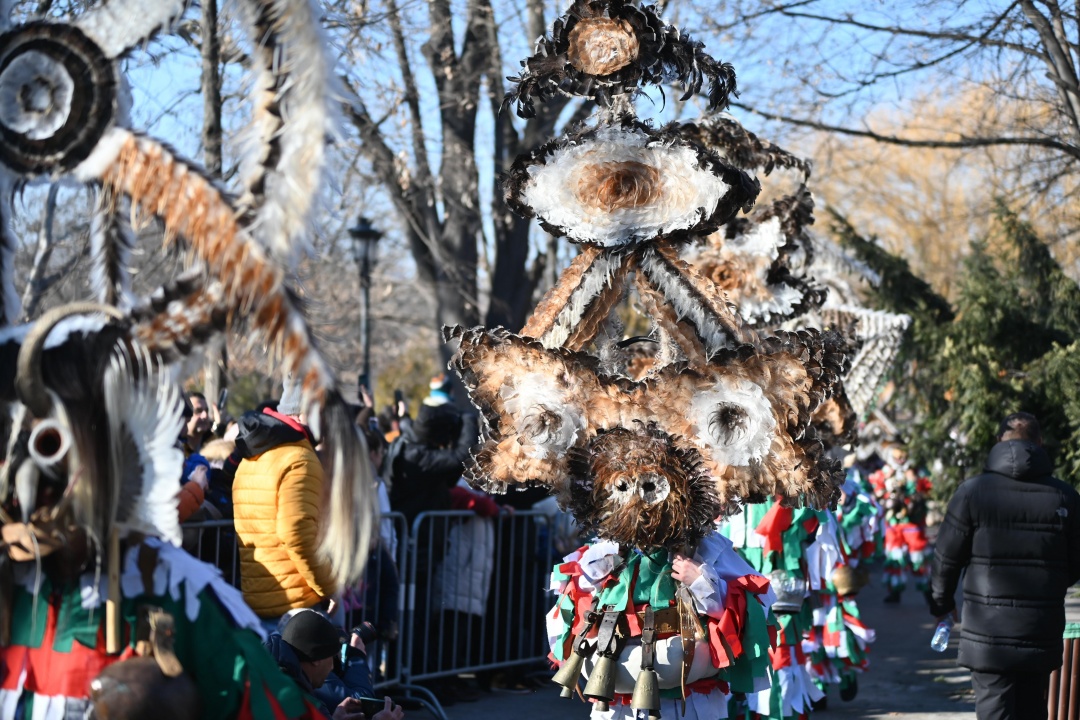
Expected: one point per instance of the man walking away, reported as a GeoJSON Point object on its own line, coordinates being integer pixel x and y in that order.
{"type": "Point", "coordinates": [1016, 529]}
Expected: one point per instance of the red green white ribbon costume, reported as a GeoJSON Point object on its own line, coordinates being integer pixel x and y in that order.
{"type": "Point", "coordinates": [731, 600]}
{"type": "Point", "coordinates": [58, 643]}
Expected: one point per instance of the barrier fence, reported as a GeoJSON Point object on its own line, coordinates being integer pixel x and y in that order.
{"type": "Point", "coordinates": [458, 594]}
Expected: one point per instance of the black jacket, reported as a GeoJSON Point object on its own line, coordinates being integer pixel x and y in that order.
{"type": "Point", "coordinates": [1017, 531]}
{"type": "Point", "coordinates": [421, 475]}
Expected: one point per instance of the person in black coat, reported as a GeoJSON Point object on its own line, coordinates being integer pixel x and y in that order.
{"type": "Point", "coordinates": [1016, 529]}
{"type": "Point", "coordinates": [423, 464]}
{"type": "Point", "coordinates": [427, 460]}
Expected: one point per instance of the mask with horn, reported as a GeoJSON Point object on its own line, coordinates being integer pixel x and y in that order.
{"type": "Point", "coordinates": [96, 411]}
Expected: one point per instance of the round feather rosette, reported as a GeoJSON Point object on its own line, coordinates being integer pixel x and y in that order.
{"type": "Point", "coordinates": [57, 97]}
{"type": "Point", "coordinates": [597, 49]}
{"type": "Point", "coordinates": [624, 184]}
{"type": "Point", "coordinates": [604, 48]}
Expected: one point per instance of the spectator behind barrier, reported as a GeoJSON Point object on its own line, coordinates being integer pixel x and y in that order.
{"type": "Point", "coordinates": [307, 650]}
{"type": "Point", "coordinates": [430, 456]}
{"type": "Point", "coordinates": [277, 498]}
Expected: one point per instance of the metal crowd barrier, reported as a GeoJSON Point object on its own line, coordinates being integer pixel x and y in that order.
{"type": "Point", "coordinates": [477, 592]}
{"type": "Point", "coordinates": [471, 594]}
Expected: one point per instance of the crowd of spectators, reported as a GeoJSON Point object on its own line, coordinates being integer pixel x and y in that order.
{"type": "Point", "coordinates": [262, 472]}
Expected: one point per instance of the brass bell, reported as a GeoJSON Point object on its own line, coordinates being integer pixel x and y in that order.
{"type": "Point", "coordinates": [601, 685]}
{"type": "Point", "coordinates": [647, 693]}
{"type": "Point", "coordinates": [569, 673]}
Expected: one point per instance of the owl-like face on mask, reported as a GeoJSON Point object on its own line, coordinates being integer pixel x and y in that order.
{"type": "Point", "coordinates": [743, 417]}
{"type": "Point", "coordinates": [638, 488]}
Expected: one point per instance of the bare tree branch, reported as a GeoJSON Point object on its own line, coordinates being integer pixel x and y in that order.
{"type": "Point", "coordinates": [963, 142]}
{"type": "Point", "coordinates": [39, 282]}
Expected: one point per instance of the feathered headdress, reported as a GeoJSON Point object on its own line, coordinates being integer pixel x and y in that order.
{"type": "Point", "coordinates": [58, 84]}
{"type": "Point", "coordinates": [645, 453]}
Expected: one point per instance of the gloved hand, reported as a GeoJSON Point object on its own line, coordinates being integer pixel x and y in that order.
{"type": "Point", "coordinates": [942, 608]}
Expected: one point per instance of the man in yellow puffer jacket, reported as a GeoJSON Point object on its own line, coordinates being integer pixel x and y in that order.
{"type": "Point", "coordinates": [277, 499]}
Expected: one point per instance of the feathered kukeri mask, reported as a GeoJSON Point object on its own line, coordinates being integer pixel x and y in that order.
{"type": "Point", "coordinates": [646, 455]}
{"type": "Point", "coordinates": [102, 377]}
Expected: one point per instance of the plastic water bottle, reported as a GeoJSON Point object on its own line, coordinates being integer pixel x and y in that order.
{"type": "Point", "coordinates": [941, 636]}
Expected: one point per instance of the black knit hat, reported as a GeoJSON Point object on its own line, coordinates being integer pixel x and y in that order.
{"type": "Point", "coordinates": [312, 636]}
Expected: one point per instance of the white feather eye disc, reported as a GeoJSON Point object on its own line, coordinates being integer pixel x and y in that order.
{"type": "Point", "coordinates": [35, 95]}
{"type": "Point", "coordinates": [735, 422]}
{"type": "Point", "coordinates": [547, 419]}
{"type": "Point", "coordinates": [57, 97]}
{"type": "Point", "coordinates": [619, 185]}
{"type": "Point", "coordinates": [618, 188]}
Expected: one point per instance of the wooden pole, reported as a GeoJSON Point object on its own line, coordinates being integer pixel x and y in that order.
{"type": "Point", "coordinates": [112, 604]}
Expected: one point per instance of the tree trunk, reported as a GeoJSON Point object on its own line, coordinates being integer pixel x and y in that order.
{"type": "Point", "coordinates": [215, 371]}
{"type": "Point", "coordinates": [38, 282]}
{"type": "Point", "coordinates": [211, 89]}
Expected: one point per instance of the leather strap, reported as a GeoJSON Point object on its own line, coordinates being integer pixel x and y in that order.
{"type": "Point", "coordinates": [689, 631]}
{"type": "Point", "coordinates": [666, 620]}
{"type": "Point", "coordinates": [648, 639]}
{"type": "Point", "coordinates": [605, 639]}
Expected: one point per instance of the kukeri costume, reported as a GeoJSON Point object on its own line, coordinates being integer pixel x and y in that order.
{"type": "Point", "coordinates": [645, 448]}
{"type": "Point", "coordinates": [96, 601]}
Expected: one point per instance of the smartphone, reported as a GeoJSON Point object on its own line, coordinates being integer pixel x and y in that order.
{"type": "Point", "coordinates": [399, 396]}
{"type": "Point", "coordinates": [222, 398]}
{"type": "Point", "coordinates": [371, 706]}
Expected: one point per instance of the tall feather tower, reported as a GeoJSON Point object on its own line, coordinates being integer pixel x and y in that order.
{"type": "Point", "coordinates": [647, 441]}
{"type": "Point", "coordinates": [88, 491]}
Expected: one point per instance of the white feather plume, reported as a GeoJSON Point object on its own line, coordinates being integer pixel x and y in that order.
{"type": "Point", "coordinates": [144, 412]}
{"type": "Point", "coordinates": [293, 116]}
{"type": "Point", "coordinates": [119, 25]}
{"type": "Point", "coordinates": [11, 308]}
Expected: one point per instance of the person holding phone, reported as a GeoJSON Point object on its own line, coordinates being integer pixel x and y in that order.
{"type": "Point", "coordinates": [309, 650]}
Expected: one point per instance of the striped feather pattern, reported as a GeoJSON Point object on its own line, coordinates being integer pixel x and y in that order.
{"type": "Point", "coordinates": [291, 119]}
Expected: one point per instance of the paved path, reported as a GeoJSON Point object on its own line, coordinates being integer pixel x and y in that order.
{"type": "Point", "coordinates": [906, 678]}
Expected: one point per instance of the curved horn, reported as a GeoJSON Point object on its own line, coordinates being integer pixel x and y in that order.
{"type": "Point", "coordinates": [29, 384]}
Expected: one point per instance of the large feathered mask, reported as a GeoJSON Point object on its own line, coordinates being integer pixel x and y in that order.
{"type": "Point", "coordinates": [644, 453]}
{"type": "Point", "coordinates": [96, 377]}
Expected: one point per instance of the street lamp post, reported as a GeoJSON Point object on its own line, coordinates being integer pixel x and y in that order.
{"type": "Point", "coordinates": [365, 237]}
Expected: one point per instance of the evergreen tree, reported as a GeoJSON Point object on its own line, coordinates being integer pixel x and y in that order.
{"type": "Point", "coordinates": [1010, 343]}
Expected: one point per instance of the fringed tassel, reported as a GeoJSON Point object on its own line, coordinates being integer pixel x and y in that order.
{"type": "Point", "coordinates": [111, 245]}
